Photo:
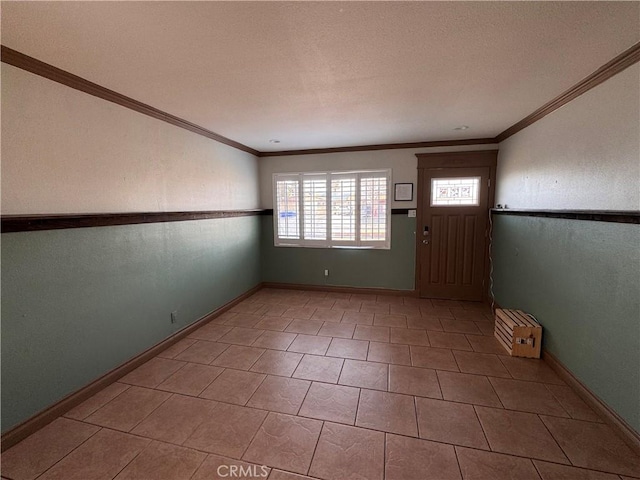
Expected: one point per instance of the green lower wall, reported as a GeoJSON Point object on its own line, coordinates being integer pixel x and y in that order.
{"type": "Point", "coordinates": [581, 280]}
{"type": "Point", "coordinates": [393, 269]}
{"type": "Point", "coordinates": [79, 302]}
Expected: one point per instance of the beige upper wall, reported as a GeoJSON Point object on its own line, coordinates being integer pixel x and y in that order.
{"type": "Point", "coordinates": [585, 155]}
{"type": "Point", "coordinates": [402, 162]}
{"type": "Point", "coordinates": [64, 151]}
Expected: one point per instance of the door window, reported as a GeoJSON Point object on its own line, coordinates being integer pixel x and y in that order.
{"type": "Point", "coordinates": [455, 192]}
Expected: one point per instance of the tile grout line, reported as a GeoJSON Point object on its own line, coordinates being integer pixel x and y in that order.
{"type": "Point", "coordinates": [495, 392]}
{"type": "Point", "coordinates": [76, 447]}
{"type": "Point", "coordinates": [384, 457]}
{"type": "Point", "coordinates": [415, 411]}
{"type": "Point", "coordinates": [566, 455]}
{"type": "Point", "coordinates": [536, 469]}
{"type": "Point", "coordinates": [439, 386]}
{"type": "Point", "coordinates": [214, 379]}
{"type": "Point", "coordinates": [315, 448]}
{"type": "Point", "coordinates": [136, 456]}
{"type": "Point", "coordinates": [199, 465]}
{"type": "Point", "coordinates": [484, 434]}
{"type": "Point", "coordinates": [344, 360]}
{"type": "Point", "coordinates": [306, 393]}
{"type": "Point", "coordinates": [252, 394]}
{"type": "Point", "coordinates": [150, 413]}
{"type": "Point", "coordinates": [559, 402]}
{"type": "Point", "coordinates": [355, 420]}
{"type": "Point", "coordinates": [244, 452]}
{"type": "Point", "coordinates": [94, 411]}
{"type": "Point", "coordinates": [455, 453]}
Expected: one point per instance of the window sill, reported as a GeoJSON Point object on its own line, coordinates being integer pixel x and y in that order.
{"type": "Point", "coordinates": [331, 247]}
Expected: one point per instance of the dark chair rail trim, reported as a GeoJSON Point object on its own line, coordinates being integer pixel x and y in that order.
{"type": "Point", "coordinates": [29, 223]}
{"type": "Point", "coordinates": [625, 216]}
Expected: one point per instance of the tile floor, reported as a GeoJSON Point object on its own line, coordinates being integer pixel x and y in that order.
{"type": "Point", "coordinates": [294, 384]}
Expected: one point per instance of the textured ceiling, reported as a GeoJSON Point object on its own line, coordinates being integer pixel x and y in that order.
{"type": "Point", "coordinates": [330, 74]}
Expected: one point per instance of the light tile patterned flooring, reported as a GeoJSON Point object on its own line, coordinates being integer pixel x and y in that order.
{"type": "Point", "coordinates": [332, 386]}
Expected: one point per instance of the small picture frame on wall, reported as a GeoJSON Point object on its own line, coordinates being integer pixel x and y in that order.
{"type": "Point", "coordinates": [403, 192]}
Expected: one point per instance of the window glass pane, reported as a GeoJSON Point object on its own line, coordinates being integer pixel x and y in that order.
{"type": "Point", "coordinates": [287, 209]}
{"type": "Point", "coordinates": [315, 209]}
{"type": "Point", "coordinates": [373, 208]}
{"type": "Point", "coordinates": [455, 191]}
{"type": "Point", "coordinates": [332, 209]}
{"type": "Point", "coordinates": [343, 206]}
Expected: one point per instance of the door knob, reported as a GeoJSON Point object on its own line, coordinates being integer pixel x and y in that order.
{"type": "Point", "coordinates": [426, 242]}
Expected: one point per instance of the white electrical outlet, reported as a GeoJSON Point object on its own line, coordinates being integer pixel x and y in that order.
{"type": "Point", "coordinates": [412, 213]}
{"type": "Point", "coordinates": [326, 273]}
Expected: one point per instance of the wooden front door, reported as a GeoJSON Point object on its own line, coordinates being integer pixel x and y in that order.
{"type": "Point", "coordinates": [452, 233]}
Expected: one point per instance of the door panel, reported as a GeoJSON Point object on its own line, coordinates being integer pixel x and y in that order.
{"type": "Point", "coordinates": [468, 243]}
{"type": "Point", "coordinates": [437, 247]}
{"type": "Point", "coordinates": [452, 243]}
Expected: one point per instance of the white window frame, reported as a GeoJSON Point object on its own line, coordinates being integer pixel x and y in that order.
{"type": "Point", "coordinates": [328, 243]}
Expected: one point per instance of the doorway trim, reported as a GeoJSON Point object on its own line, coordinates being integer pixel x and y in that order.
{"type": "Point", "coordinates": [476, 158]}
